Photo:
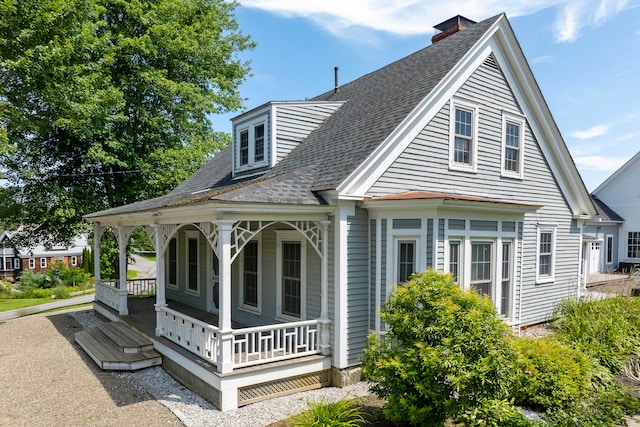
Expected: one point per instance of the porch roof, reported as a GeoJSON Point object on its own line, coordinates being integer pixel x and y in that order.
{"type": "Point", "coordinates": [290, 189]}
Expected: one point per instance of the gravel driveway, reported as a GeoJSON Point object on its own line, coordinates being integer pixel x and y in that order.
{"type": "Point", "coordinates": [47, 380]}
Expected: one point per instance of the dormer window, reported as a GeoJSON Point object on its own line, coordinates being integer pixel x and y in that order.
{"type": "Point", "coordinates": [251, 145]}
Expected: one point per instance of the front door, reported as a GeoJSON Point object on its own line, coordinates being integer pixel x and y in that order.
{"type": "Point", "coordinates": [594, 257]}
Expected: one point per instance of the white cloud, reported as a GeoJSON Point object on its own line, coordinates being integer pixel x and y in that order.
{"type": "Point", "coordinates": [593, 132]}
{"type": "Point", "coordinates": [600, 163]}
{"type": "Point", "coordinates": [412, 17]}
{"type": "Point", "coordinates": [541, 59]}
{"type": "Point", "coordinates": [576, 14]}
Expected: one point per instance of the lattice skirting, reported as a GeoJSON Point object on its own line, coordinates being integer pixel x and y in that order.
{"type": "Point", "coordinates": [276, 388]}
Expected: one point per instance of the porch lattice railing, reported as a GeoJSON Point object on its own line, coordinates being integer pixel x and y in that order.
{"type": "Point", "coordinates": [251, 346]}
{"type": "Point", "coordinates": [107, 292]}
{"type": "Point", "coordinates": [192, 334]}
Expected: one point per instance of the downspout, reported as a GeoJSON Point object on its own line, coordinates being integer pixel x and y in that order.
{"type": "Point", "coordinates": [581, 270]}
{"type": "Point", "coordinates": [521, 276]}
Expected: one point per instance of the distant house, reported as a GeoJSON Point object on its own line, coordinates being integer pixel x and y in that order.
{"type": "Point", "coordinates": [16, 259]}
{"type": "Point", "coordinates": [276, 256]}
{"type": "Point", "coordinates": [617, 225]}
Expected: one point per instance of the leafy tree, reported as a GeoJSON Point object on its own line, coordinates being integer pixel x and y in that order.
{"type": "Point", "coordinates": [106, 102]}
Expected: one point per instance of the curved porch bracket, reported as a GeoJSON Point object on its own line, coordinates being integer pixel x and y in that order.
{"type": "Point", "coordinates": [243, 232]}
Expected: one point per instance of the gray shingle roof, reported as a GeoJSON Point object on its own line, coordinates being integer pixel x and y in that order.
{"type": "Point", "coordinates": [375, 105]}
{"type": "Point", "coordinates": [605, 213]}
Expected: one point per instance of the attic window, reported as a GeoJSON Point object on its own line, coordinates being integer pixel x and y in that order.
{"type": "Point", "coordinates": [251, 145]}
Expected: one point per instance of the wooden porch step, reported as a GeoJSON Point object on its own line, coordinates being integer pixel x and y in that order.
{"type": "Point", "coordinates": [110, 355]}
{"type": "Point", "coordinates": [125, 338]}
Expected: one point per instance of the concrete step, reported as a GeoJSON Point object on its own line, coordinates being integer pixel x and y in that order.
{"type": "Point", "coordinates": [110, 355]}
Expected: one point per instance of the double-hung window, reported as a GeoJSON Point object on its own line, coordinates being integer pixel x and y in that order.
{"type": "Point", "coordinates": [74, 260]}
{"type": "Point", "coordinates": [193, 276]}
{"type": "Point", "coordinates": [32, 263]}
{"type": "Point", "coordinates": [172, 264]}
{"type": "Point", "coordinates": [512, 145]}
{"type": "Point", "coordinates": [454, 260]}
{"type": "Point", "coordinates": [251, 146]}
{"type": "Point", "coordinates": [250, 292]}
{"type": "Point", "coordinates": [43, 263]}
{"type": "Point", "coordinates": [633, 244]}
{"type": "Point", "coordinates": [291, 275]}
{"type": "Point", "coordinates": [406, 260]}
{"type": "Point", "coordinates": [481, 272]}
{"type": "Point", "coordinates": [546, 255]}
{"type": "Point", "coordinates": [463, 136]}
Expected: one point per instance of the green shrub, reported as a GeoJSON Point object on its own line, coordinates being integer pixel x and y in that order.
{"type": "Point", "coordinates": [341, 413]}
{"type": "Point", "coordinates": [608, 330]}
{"type": "Point", "coordinates": [35, 293]}
{"type": "Point", "coordinates": [605, 408]}
{"type": "Point", "coordinates": [32, 280]}
{"type": "Point", "coordinates": [445, 350]}
{"type": "Point", "coordinates": [496, 413]}
{"type": "Point", "coordinates": [551, 374]}
{"type": "Point", "coordinates": [6, 290]}
{"type": "Point", "coordinates": [61, 292]}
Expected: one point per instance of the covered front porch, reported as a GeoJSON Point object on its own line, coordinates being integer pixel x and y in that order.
{"type": "Point", "coordinates": [208, 340]}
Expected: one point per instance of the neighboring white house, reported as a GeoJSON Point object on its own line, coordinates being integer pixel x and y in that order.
{"type": "Point", "coordinates": [294, 235]}
{"type": "Point", "coordinates": [621, 195]}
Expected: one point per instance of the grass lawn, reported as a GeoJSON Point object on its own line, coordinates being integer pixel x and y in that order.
{"type": "Point", "coordinates": [16, 303]}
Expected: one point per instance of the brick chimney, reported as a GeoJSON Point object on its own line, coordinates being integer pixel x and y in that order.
{"type": "Point", "coordinates": [450, 26]}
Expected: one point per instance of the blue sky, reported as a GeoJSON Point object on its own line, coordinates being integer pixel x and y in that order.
{"type": "Point", "coordinates": [585, 55]}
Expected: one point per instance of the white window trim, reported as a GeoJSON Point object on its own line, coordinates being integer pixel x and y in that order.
{"type": "Point", "coordinates": [397, 238]}
{"type": "Point", "coordinates": [519, 120]}
{"type": "Point", "coordinates": [241, 305]}
{"type": "Point", "coordinates": [74, 260]}
{"type": "Point", "coordinates": [447, 256]}
{"type": "Point", "coordinates": [16, 264]}
{"type": "Point", "coordinates": [32, 263]}
{"type": "Point", "coordinates": [43, 262]}
{"type": "Point", "coordinates": [291, 236]}
{"type": "Point", "coordinates": [192, 235]}
{"type": "Point", "coordinates": [473, 150]}
{"type": "Point", "coordinates": [168, 283]}
{"type": "Point", "coordinates": [250, 126]}
{"type": "Point", "coordinates": [551, 277]}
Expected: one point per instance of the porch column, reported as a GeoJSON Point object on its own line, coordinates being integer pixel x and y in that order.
{"type": "Point", "coordinates": [161, 300]}
{"type": "Point", "coordinates": [97, 237]}
{"type": "Point", "coordinates": [225, 356]}
{"type": "Point", "coordinates": [324, 321]}
{"type": "Point", "coordinates": [123, 310]}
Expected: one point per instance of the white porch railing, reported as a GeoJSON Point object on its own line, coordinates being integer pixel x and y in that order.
{"type": "Point", "coordinates": [107, 292]}
{"type": "Point", "coordinates": [192, 334]}
{"type": "Point", "coordinates": [251, 346]}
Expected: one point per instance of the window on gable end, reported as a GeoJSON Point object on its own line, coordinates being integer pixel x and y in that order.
{"type": "Point", "coordinates": [463, 136]}
{"type": "Point", "coordinates": [512, 145]}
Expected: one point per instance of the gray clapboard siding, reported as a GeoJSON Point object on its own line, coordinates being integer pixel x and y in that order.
{"type": "Point", "coordinates": [415, 170]}
{"type": "Point", "coordinates": [372, 274]}
{"type": "Point", "coordinates": [294, 122]}
{"type": "Point", "coordinates": [358, 285]}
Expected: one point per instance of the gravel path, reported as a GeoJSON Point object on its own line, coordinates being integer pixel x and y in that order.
{"type": "Point", "coordinates": [46, 379]}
